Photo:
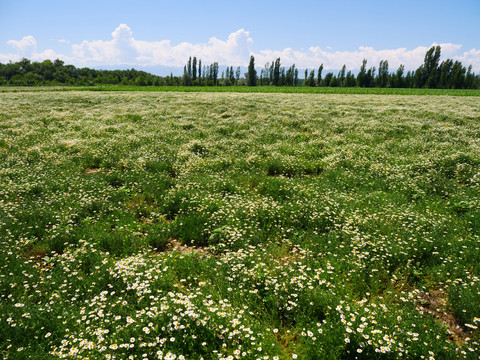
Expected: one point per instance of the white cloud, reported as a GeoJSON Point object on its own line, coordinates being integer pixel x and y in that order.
{"type": "Point", "coordinates": [471, 57]}
{"type": "Point", "coordinates": [119, 50]}
{"type": "Point", "coordinates": [124, 49]}
{"type": "Point", "coordinates": [27, 48]}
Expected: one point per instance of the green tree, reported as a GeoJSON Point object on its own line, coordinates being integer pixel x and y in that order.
{"type": "Point", "coordinates": [350, 80]}
{"type": "Point", "coordinates": [457, 77]}
{"type": "Point", "coordinates": [469, 79]}
{"type": "Point", "coordinates": [311, 78]}
{"type": "Point", "coordinates": [289, 75]}
{"type": "Point", "coordinates": [370, 78]}
{"type": "Point", "coordinates": [432, 58]}
{"type": "Point", "coordinates": [252, 73]}
{"type": "Point", "coordinates": [31, 79]}
{"type": "Point", "coordinates": [214, 73]}
{"type": "Point", "coordinates": [266, 74]}
{"type": "Point", "coordinates": [25, 66]}
{"type": "Point", "coordinates": [328, 79]}
{"type": "Point", "coordinates": [341, 75]}
{"type": "Point", "coordinates": [334, 82]}
{"type": "Point", "coordinates": [270, 72]}
{"type": "Point", "coordinates": [61, 76]}
{"type": "Point", "coordinates": [445, 73]}
{"type": "Point", "coordinates": [362, 74]}
{"type": "Point", "coordinates": [189, 66]}
{"type": "Point", "coordinates": [319, 75]}
{"type": "Point", "coordinates": [382, 78]}
{"type": "Point", "coordinates": [186, 77]}
{"type": "Point", "coordinates": [399, 82]}
{"type": "Point", "coordinates": [200, 71]}
{"type": "Point", "coordinates": [237, 75]}
{"type": "Point", "coordinates": [420, 77]}
{"type": "Point", "coordinates": [57, 63]}
{"type": "Point", "coordinates": [276, 72]}
{"type": "Point", "coordinates": [194, 68]}
{"type": "Point", "coordinates": [232, 76]}
{"type": "Point", "coordinates": [140, 80]}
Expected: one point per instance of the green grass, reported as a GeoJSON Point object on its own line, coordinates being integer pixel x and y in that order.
{"type": "Point", "coordinates": [251, 225]}
{"type": "Point", "coordinates": [255, 89]}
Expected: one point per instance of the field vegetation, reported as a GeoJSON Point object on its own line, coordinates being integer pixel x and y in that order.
{"type": "Point", "coordinates": [248, 89]}
{"type": "Point", "coordinates": [185, 225]}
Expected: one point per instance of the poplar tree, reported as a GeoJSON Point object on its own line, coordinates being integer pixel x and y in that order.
{"type": "Point", "coordinates": [399, 82]}
{"type": "Point", "coordinates": [469, 79]}
{"type": "Point", "coordinates": [341, 75]}
{"type": "Point", "coordinates": [200, 71]}
{"type": "Point", "coordinates": [311, 78]}
{"type": "Point", "coordinates": [194, 68]}
{"type": "Point", "coordinates": [214, 72]}
{"type": "Point", "coordinates": [276, 72]}
{"type": "Point", "coordinates": [382, 79]}
{"type": "Point", "coordinates": [271, 72]}
{"type": "Point", "coordinates": [232, 76]}
{"type": "Point", "coordinates": [361, 77]}
{"type": "Point", "coordinates": [319, 75]}
{"type": "Point", "coordinates": [252, 73]}
{"type": "Point", "coordinates": [266, 74]}
{"type": "Point", "coordinates": [432, 57]}
{"type": "Point", "coordinates": [185, 76]}
{"type": "Point", "coordinates": [237, 75]}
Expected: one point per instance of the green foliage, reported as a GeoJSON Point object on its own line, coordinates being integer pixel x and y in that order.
{"type": "Point", "coordinates": [252, 73]}
{"type": "Point", "coordinates": [276, 73]}
{"type": "Point", "coordinates": [431, 75]}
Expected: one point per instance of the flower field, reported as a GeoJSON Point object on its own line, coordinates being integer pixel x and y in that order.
{"type": "Point", "coordinates": [168, 225]}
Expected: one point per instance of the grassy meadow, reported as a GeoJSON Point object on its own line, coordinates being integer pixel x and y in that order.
{"type": "Point", "coordinates": [197, 225]}
{"type": "Point", "coordinates": [251, 89]}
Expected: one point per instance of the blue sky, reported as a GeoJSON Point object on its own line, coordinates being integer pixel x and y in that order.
{"type": "Point", "coordinates": [162, 34]}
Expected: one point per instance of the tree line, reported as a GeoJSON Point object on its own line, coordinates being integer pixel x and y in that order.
{"type": "Point", "coordinates": [208, 75]}
{"type": "Point", "coordinates": [448, 74]}
{"type": "Point", "coordinates": [432, 74]}
{"type": "Point", "coordinates": [27, 73]}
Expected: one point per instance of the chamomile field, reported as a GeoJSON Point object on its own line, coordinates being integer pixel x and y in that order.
{"type": "Point", "coordinates": [169, 225]}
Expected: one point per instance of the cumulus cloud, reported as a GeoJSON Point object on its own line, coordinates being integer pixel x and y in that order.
{"type": "Point", "coordinates": [471, 57]}
{"type": "Point", "coordinates": [27, 48]}
{"type": "Point", "coordinates": [120, 50]}
{"type": "Point", "coordinates": [124, 49]}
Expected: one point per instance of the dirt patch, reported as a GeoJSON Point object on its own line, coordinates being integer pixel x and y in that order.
{"type": "Point", "coordinates": [92, 171]}
{"type": "Point", "coordinates": [175, 245]}
{"type": "Point", "coordinates": [435, 303]}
